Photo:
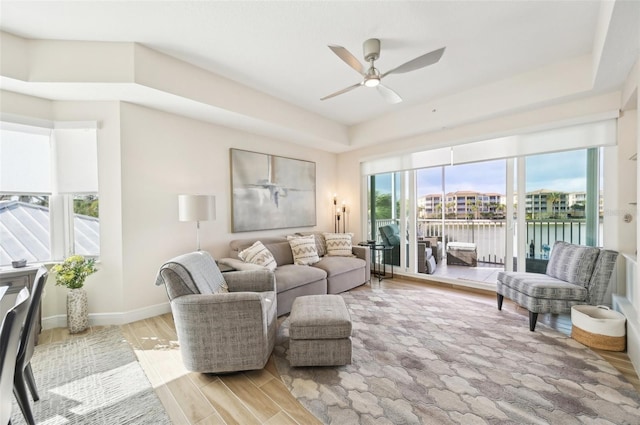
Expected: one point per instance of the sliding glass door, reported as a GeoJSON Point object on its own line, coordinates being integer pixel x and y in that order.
{"type": "Point", "coordinates": [468, 205]}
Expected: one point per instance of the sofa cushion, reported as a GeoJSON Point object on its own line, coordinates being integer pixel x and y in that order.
{"type": "Point", "coordinates": [237, 245]}
{"type": "Point", "coordinates": [321, 244]}
{"type": "Point", "coordinates": [303, 249]}
{"type": "Point", "coordinates": [542, 286]}
{"type": "Point", "coordinates": [336, 265]}
{"type": "Point", "coordinates": [291, 276]}
{"type": "Point", "coordinates": [281, 252]}
{"type": "Point", "coordinates": [572, 263]}
{"type": "Point", "coordinates": [339, 244]}
{"type": "Point", "coordinates": [258, 254]}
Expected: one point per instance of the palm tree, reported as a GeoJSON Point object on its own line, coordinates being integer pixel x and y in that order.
{"type": "Point", "coordinates": [553, 198]}
{"type": "Point", "coordinates": [452, 206]}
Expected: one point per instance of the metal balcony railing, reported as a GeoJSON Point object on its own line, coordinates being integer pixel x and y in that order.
{"type": "Point", "coordinates": [489, 235]}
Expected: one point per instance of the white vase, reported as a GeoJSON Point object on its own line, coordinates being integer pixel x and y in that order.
{"type": "Point", "coordinates": [77, 310]}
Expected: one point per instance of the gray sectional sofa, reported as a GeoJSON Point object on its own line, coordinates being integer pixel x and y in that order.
{"type": "Point", "coordinates": [331, 275]}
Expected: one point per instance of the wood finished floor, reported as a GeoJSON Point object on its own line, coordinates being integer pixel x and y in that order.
{"type": "Point", "coordinates": [260, 397]}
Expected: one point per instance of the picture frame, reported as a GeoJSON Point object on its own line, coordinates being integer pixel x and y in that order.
{"type": "Point", "coordinates": [271, 191]}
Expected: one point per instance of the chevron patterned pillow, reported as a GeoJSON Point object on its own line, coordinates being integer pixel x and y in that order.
{"type": "Point", "coordinates": [304, 250]}
{"type": "Point", "coordinates": [339, 244]}
{"type": "Point", "coordinates": [258, 254]}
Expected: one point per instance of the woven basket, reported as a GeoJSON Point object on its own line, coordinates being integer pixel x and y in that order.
{"type": "Point", "coordinates": [598, 327]}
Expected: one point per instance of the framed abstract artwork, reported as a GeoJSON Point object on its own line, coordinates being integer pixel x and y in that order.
{"type": "Point", "coordinates": [271, 192]}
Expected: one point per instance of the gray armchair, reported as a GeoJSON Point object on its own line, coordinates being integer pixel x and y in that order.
{"type": "Point", "coordinates": [575, 275]}
{"type": "Point", "coordinates": [224, 323]}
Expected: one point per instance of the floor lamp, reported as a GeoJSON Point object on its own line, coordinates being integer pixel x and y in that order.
{"type": "Point", "coordinates": [196, 208]}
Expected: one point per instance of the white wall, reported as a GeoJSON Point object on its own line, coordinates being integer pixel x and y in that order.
{"type": "Point", "coordinates": [164, 155]}
{"type": "Point", "coordinates": [105, 287]}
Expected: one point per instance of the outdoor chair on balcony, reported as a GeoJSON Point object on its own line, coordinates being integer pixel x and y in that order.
{"type": "Point", "coordinates": [391, 238]}
{"type": "Point", "coordinates": [462, 254]}
{"type": "Point", "coordinates": [575, 275]}
{"type": "Point", "coordinates": [427, 258]}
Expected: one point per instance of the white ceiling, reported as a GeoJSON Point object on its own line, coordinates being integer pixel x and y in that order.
{"type": "Point", "coordinates": [280, 48]}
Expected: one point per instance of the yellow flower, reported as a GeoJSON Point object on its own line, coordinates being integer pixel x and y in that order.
{"type": "Point", "coordinates": [73, 271]}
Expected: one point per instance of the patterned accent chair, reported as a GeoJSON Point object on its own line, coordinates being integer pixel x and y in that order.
{"type": "Point", "coordinates": [575, 275]}
{"type": "Point", "coordinates": [225, 323]}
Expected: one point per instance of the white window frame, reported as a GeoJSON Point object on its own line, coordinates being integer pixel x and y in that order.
{"type": "Point", "coordinates": [61, 206]}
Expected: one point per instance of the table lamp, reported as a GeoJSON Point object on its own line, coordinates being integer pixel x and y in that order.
{"type": "Point", "coordinates": [196, 208]}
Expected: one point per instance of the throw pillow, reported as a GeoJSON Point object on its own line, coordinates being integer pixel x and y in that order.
{"type": "Point", "coordinates": [258, 254]}
{"type": "Point", "coordinates": [303, 249]}
{"type": "Point", "coordinates": [320, 243]}
{"type": "Point", "coordinates": [339, 244]}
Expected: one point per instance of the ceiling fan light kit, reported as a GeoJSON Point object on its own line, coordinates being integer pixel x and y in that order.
{"type": "Point", "coordinates": [371, 76]}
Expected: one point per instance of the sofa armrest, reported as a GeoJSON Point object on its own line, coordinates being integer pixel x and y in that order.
{"type": "Point", "coordinates": [251, 280]}
{"type": "Point", "coordinates": [364, 253]}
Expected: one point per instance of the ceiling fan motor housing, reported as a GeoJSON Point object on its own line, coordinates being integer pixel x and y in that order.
{"type": "Point", "coordinates": [371, 49]}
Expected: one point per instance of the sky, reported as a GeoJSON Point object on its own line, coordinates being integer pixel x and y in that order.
{"type": "Point", "coordinates": [561, 171]}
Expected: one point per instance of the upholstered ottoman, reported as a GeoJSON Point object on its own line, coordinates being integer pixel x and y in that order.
{"type": "Point", "coordinates": [319, 331]}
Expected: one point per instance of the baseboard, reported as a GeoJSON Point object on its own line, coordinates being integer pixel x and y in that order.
{"type": "Point", "coordinates": [106, 319]}
{"type": "Point", "coordinates": [625, 307]}
{"type": "Point", "coordinates": [453, 283]}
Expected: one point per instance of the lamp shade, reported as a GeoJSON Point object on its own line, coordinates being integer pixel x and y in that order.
{"type": "Point", "coordinates": [196, 207]}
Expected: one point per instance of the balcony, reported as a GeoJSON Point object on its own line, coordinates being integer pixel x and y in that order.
{"type": "Point", "coordinates": [490, 239]}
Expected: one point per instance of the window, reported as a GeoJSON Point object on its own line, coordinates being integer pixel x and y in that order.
{"type": "Point", "coordinates": [48, 192]}
{"type": "Point", "coordinates": [511, 197]}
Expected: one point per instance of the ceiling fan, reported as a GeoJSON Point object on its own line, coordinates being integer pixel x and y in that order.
{"type": "Point", "coordinates": [371, 76]}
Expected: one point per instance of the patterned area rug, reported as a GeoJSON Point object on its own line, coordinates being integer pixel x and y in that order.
{"type": "Point", "coordinates": [423, 358]}
{"type": "Point", "coordinates": [93, 379]}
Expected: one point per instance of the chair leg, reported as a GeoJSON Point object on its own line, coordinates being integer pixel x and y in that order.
{"type": "Point", "coordinates": [20, 391]}
{"type": "Point", "coordinates": [31, 382]}
{"type": "Point", "coordinates": [500, 299]}
{"type": "Point", "coordinates": [533, 319]}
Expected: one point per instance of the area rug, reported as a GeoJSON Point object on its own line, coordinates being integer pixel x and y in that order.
{"type": "Point", "coordinates": [421, 357]}
{"type": "Point", "coordinates": [92, 379]}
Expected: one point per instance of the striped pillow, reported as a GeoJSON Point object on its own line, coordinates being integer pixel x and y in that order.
{"type": "Point", "coordinates": [258, 254]}
{"type": "Point", "coordinates": [303, 249]}
{"type": "Point", "coordinates": [339, 244]}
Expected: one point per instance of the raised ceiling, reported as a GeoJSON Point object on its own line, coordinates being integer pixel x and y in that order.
{"type": "Point", "coordinates": [280, 48]}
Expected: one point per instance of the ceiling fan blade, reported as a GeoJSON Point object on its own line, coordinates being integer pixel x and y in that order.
{"type": "Point", "coordinates": [388, 94]}
{"type": "Point", "coordinates": [341, 91]}
{"type": "Point", "coordinates": [417, 63]}
{"type": "Point", "coordinates": [348, 58]}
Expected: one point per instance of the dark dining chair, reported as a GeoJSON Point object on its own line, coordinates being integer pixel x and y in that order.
{"type": "Point", "coordinates": [9, 340]}
{"type": "Point", "coordinates": [24, 375]}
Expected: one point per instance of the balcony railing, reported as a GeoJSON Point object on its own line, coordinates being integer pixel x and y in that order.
{"type": "Point", "coordinates": [489, 235]}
